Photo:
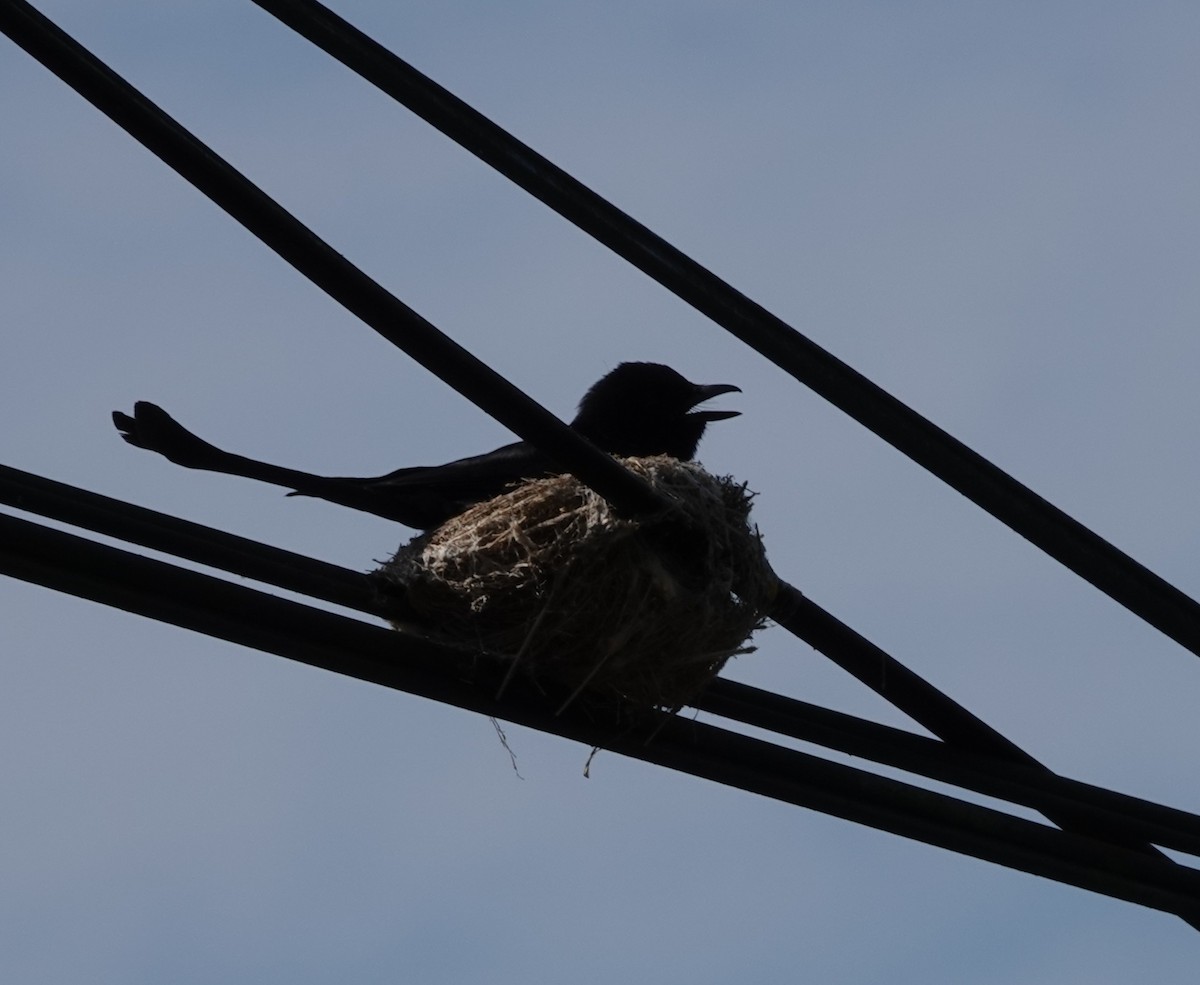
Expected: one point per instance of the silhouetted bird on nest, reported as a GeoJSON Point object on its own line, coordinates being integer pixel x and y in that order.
{"type": "Point", "coordinates": [637, 410]}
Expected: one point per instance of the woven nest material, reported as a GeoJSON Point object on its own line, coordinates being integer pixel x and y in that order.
{"type": "Point", "coordinates": [550, 579]}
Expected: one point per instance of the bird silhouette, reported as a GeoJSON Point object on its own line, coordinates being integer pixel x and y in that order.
{"type": "Point", "coordinates": [637, 410]}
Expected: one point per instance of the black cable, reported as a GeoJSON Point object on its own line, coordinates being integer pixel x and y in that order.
{"type": "Point", "coordinates": [889, 678]}
{"type": "Point", "coordinates": [283, 233]}
{"type": "Point", "coordinates": [1084, 552]}
{"type": "Point", "coordinates": [313, 257]}
{"type": "Point", "coordinates": [319, 262]}
{"type": "Point", "coordinates": [928, 706]}
{"type": "Point", "coordinates": [193, 541]}
{"type": "Point", "coordinates": [1115, 816]}
{"type": "Point", "coordinates": [1088, 555]}
{"type": "Point", "coordinates": [323, 639]}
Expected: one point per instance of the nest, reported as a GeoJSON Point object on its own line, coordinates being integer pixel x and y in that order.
{"type": "Point", "coordinates": [548, 578]}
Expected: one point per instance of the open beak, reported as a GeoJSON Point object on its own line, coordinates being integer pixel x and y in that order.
{"type": "Point", "coordinates": [704, 393]}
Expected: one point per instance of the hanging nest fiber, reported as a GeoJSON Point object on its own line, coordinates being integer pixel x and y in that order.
{"type": "Point", "coordinates": [547, 577]}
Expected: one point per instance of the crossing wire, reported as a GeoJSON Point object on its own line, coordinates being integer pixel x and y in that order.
{"type": "Point", "coordinates": [1116, 816]}
{"type": "Point", "coordinates": [192, 600]}
{"type": "Point", "coordinates": [1055, 532]}
{"type": "Point", "coordinates": [479, 383]}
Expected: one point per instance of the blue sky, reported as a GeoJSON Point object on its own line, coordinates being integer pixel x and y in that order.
{"type": "Point", "coordinates": [991, 210]}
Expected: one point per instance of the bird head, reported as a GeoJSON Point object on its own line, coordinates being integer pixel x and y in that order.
{"type": "Point", "coordinates": [642, 409]}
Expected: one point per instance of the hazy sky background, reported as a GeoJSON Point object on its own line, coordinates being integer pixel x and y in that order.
{"type": "Point", "coordinates": [992, 210]}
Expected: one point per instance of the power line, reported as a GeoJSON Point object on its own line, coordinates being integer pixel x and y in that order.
{"type": "Point", "coordinates": [1111, 815]}
{"type": "Point", "coordinates": [325, 267]}
{"type": "Point", "coordinates": [193, 541]}
{"type": "Point", "coordinates": [1085, 553]}
{"type": "Point", "coordinates": [382, 311]}
{"type": "Point", "coordinates": [319, 262]}
{"type": "Point", "coordinates": [347, 646]}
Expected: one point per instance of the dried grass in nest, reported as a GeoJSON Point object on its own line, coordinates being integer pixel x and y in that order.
{"type": "Point", "coordinates": [550, 579]}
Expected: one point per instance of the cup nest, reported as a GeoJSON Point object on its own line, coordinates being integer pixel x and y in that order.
{"type": "Point", "coordinates": [549, 579]}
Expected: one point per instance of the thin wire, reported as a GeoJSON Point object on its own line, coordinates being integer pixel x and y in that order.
{"type": "Point", "coordinates": [283, 233]}
{"type": "Point", "coordinates": [242, 615]}
{"type": "Point", "coordinates": [319, 262]}
{"type": "Point", "coordinates": [1114, 816]}
{"type": "Point", "coordinates": [1085, 553]}
{"type": "Point", "coordinates": [924, 703]}
{"type": "Point", "coordinates": [314, 258]}
{"type": "Point", "coordinates": [193, 541]}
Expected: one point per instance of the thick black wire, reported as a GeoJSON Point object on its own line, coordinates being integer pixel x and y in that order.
{"type": "Point", "coordinates": [1114, 816]}
{"type": "Point", "coordinates": [924, 703]}
{"type": "Point", "coordinates": [283, 233]}
{"type": "Point", "coordinates": [319, 262]}
{"type": "Point", "coordinates": [316, 260]}
{"type": "Point", "coordinates": [241, 615]}
{"type": "Point", "coordinates": [193, 541]}
{"type": "Point", "coordinates": [1088, 555]}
